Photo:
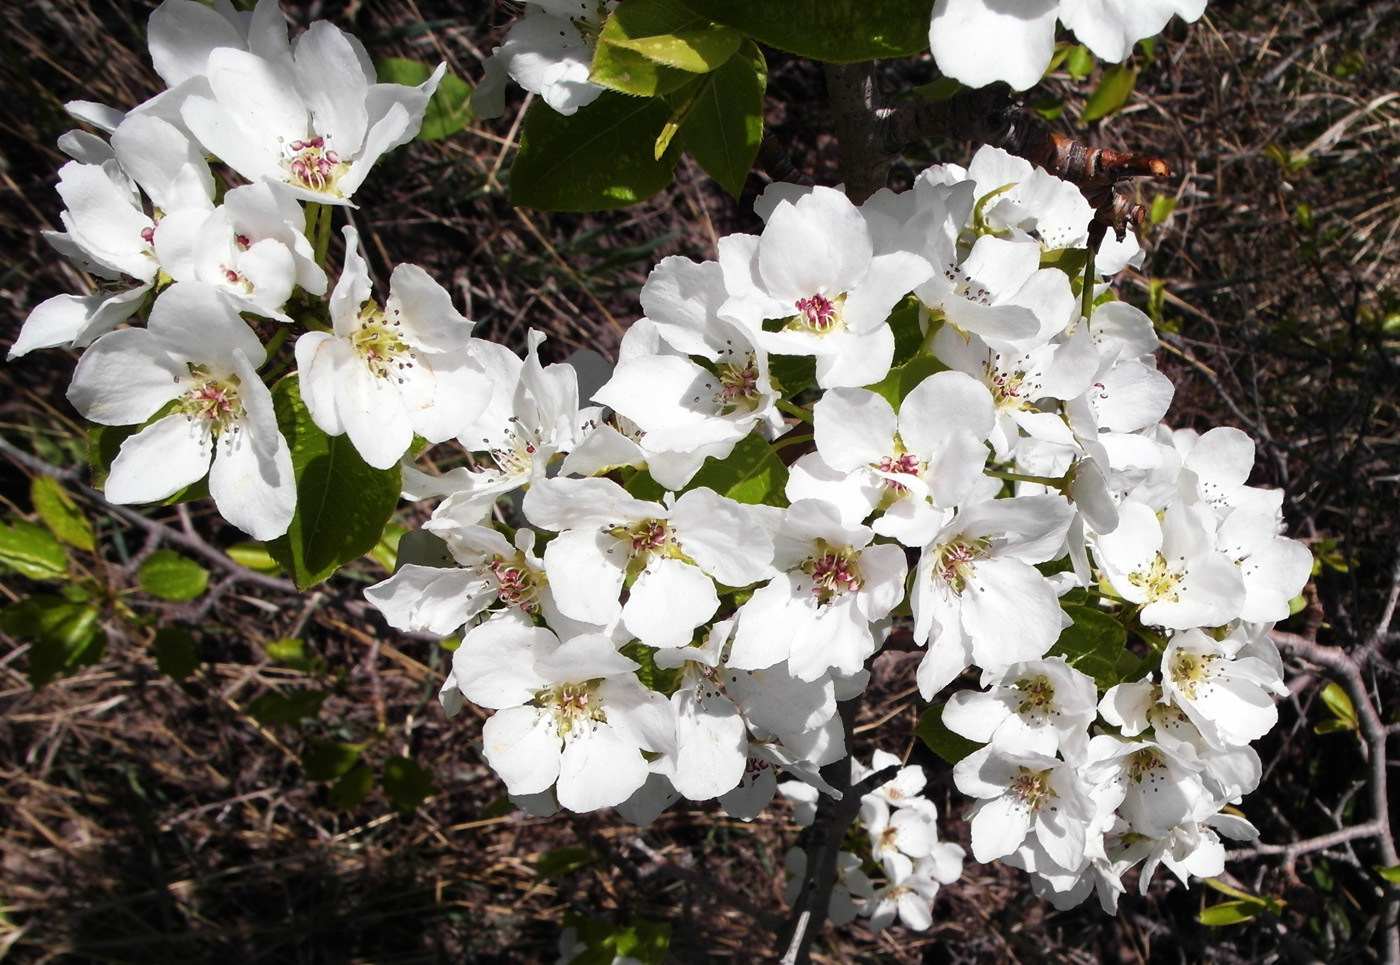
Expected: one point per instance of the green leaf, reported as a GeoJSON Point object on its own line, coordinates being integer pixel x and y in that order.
{"type": "Point", "coordinates": [628, 71]}
{"type": "Point", "coordinates": [1391, 874]}
{"type": "Point", "coordinates": [353, 788]}
{"type": "Point", "coordinates": [168, 575]}
{"type": "Point", "coordinates": [386, 551]}
{"type": "Point", "coordinates": [724, 126]}
{"type": "Point", "coordinates": [274, 708]}
{"type": "Point", "coordinates": [792, 373]}
{"type": "Point", "coordinates": [1230, 912]}
{"type": "Point", "coordinates": [1343, 713]}
{"type": "Point", "coordinates": [942, 741]}
{"type": "Point", "coordinates": [65, 635]}
{"type": "Point", "coordinates": [254, 556]}
{"type": "Point", "coordinates": [647, 942]}
{"type": "Point", "coordinates": [327, 760]}
{"type": "Point", "coordinates": [840, 31]}
{"type": "Point", "coordinates": [1115, 87]}
{"type": "Point", "coordinates": [104, 442]}
{"type": "Point", "coordinates": [599, 158]}
{"type": "Point", "coordinates": [561, 861]}
{"type": "Point", "coordinates": [342, 502]}
{"type": "Point", "coordinates": [448, 111]}
{"type": "Point", "coordinates": [1079, 63]}
{"type": "Point", "coordinates": [751, 473]}
{"type": "Point", "coordinates": [1161, 208]}
{"type": "Point", "coordinates": [58, 511]}
{"type": "Point", "coordinates": [177, 652]}
{"type": "Point", "coordinates": [903, 378]}
{"type": "Point", "coordinates": [668, 33]}
{"type": "Point", "coordinates": [32, 550]}
{"type": "Point", "coordinates": [1093, 644]}
{"type": "Point", "coordinates": [406, 782]}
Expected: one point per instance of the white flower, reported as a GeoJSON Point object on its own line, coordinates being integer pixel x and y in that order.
{"type": "Point", "coordinates": [981, 41]}
{"type": "Point", "coordinates": [311, 117]}
{"type": "Point", "coordinates": [1226, 698]}
{"type": "Point", "coordinates": [549, 51]}
{"type": "Point", "coordinates": [1021, 794]}
{"type": "Point", "coordinates": [386, 375]}
{"type": "Point", "coordinates": [711, 740]}
{"type": "Point", "coordinates": [197, 353]}
{"type": "Point", "coordinates": [1044, 706]}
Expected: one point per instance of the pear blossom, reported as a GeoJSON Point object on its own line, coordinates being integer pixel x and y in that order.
{"type": "Point", "coordinates": [387, 374]}
{"type": "Point", "coordinates": [1040, 705]}
{"type": "Point", "coordinates": [1020, 794]}
{"type": "Point", "coordinates": [199, 354]}
{"type": "Point", "coordinates": [549, 52]}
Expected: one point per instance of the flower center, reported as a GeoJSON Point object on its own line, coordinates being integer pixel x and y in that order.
{"type": "Point", "coordinates": [905, 464]}
{"type": "Point", "coordinates": [738, 387]}
{"type": "Point", "coordinates": [1158, 582]}
{"type": "Point", "coordinates": [213, 400]}
{"type": "Point", "coordinates": [833, 573]}
{"type": "Point", "coordinates": [381, 346]}
{"type": "Point", "coordinates": [519, 585]}
{"type": "Point", "coordinates": [1037, 697]}
{"type": "Point", "coordinates": [818, 315]}
{"type": "Point", "coordinates": [1031, 788]}
{"type": "Point", "coordinates": [1147, 765]}
{"type": "Point", "coordinates": [954, 562]}
{"type": "Point", "coordinates": [312, 165]}
{"type": "Point", "coordinates": [1191, 672]}
{"type": "Point", "coordinates": [572, 706]}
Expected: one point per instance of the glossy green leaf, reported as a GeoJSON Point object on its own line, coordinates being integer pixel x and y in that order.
{"type": "Point", "coordinates": [406, 782]}
{"type": "Point", "coordinates": [32, 550]}
{"type": "Point", "coordinates": [724, 126]}
{"type": "Point", "coordinates": [1115, 87]}
{"type": "Point", "coordinates": [942, 741]}
{"type": "Point", "coordinates": [64, 636]}
{"type": "Point", "coordinates": [168, 575]}
{"type": "Point", "coordinates": [601, 157]}
{"type": "Point", "coordinates": [352, 788]}
{"type": "Point", "coordinates": [343, 503]}
{"type": "Point", "coordinates": [327, 760]}
{"type": "Point", "coordinates": [177, 652]}
{"type": "Point", "coordinates": [841, 31]}
{"type": "Point", "coordinates": [666, 32]}
{"type": "Point", "coordinates": [275, 708]}
{"type": "Point", "coordinates": [449, 109]}
{"type": "Point", "coordinates": [561, 861]}
{"type": "Point", "coordinates": [627, 71]}
{"type": "Point", "coordinates": [62, 516]}
{"type": "Point", "coordinates": [1093, 644]}
{"type": "Point", "coordinates": [751, 473]}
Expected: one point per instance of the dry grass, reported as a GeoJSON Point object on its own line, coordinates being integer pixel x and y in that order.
{"type": "Point", "coordinates": [150, 821]}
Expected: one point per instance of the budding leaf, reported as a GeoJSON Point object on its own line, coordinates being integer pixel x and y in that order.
{"type": "Point", "coordinates": [58, 511]}
{"type": "Point", "coordinates": [32, 550]}
{"type": "Point", "coordinates": [599, 158]}
{"type": "Point", "coordinates": [1230, 912]}
{"type": "Point", "coordinates": [1391, 874]}
{"type": "Point", "coordinates": [177, 652]}
{"type": "Point", "coordinates": [254, 556]}
{"type": "Point", "coordinates": [291, 652]}
{"type": "Point", "coordinates": [406, 782]}
{"type": "Point", "coordinates": [343, 503]}
{"type": "Point", "coordinates": [1343, 713]}
{"type": "Point", "coordinates": [837, 31]}
{"type": "Point", "coordinates": [724, 126]}
{"type": "Point", "coordinates": [168, 575]}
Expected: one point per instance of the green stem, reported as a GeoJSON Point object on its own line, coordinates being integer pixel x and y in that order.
{"type": "Point", "coordinates": [318, 219]}
{"type": "Point", "coordinates": [1058, 484]}
{"type": "Point", "coordinates": [795, 440]}
{"type": "Point", "coordinates": [1087, 296]}
{"type": "Point", "coordinates": [794, 410]}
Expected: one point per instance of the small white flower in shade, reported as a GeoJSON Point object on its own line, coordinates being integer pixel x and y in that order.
{"type": "Point", "coordinates": [977, 596]}
{"type": "Point", "coordinates": [197, 353]}
{"type": "Point", "coordinates": [898, 836]}
{"type": "Point", "coordinates": [1021, 794]}
{"type": "Point", "coordinates": [902, 790]}
{"type": "Point", "coordinates": [1226, 698]}
{"type": "Point", "coordinates": [909, 895]}
{"type": "Point", "coordinates": [668, 556]}
{"type": "Point", "coordinates": [851, 885]}
{"type": "Point", "coordinates": [387, 374]}
{"type": "Point", "coordinates": [1041, 705]}
{"type": "Point", "coordinates": [1274, 568]}
{"type": "Point", "coordinates": [549, 52]}
{"type": "Point", "coordinates": [1171, 567]}
{"type": "Point", "coordinates": [817, 614]}
{"type": "Point", "coordinates": [815, 268]}
{"type": "Point", "coordinates": [311, 117]}
{"type": "Point", "coordinates": [571, 714]}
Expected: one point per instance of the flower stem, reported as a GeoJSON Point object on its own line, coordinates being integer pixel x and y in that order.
{"type": "Point", "coordinates": [1060, 484]}
{"type": "Point", "coordinates": [794, 410]}
{"type": "Point", "coordinates": [1088, 294]}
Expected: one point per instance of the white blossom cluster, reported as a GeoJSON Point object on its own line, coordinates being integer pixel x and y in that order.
{"type": "Point", "coordinates": [978, 448]}
{"type": "Point", "coordinates": [302, 122]}
{"type": "Point", "coordinates": [901, 841]}
{"type": "Point", "coordinates": [644, 644]}
{"type": "Point", "coordinates": [549, 50]}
